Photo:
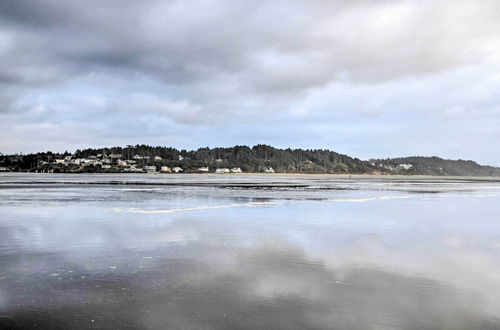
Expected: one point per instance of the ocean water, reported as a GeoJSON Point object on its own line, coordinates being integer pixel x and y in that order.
{"type": "Point", "coordinates": [248, 252]}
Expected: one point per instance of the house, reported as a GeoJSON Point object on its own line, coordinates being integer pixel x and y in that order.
{"type": "Point", "coordinates": [405, 166]}
{"type": "Point", "coordinates": [59, 161]}
{"type": "Point", "coordinates": [269, 169]}
{"type": "Point", "coordinates": [105, 167]}
{"type": "Point", "coordinates": [3, 169]}
{"type": "Point", "coordinates": [149, 169]}
{"type": "Point", "coordinates": [177, 169]}
{"type": "Point", "coordinates": [222, 170]}
{"type": "Point", "coordinates": [236, 170]}
{"type": "Point", "coordinates": [180, 157]}
{"type": "Point", "coordinates": [115, 156]}
{"type": "Point", "coordinates": [158, 158]}
{"type": "Point", "coordinates": [203, 169]}
{"type": "Point", "coordinates": [165, 169]}
{"type": "Point", "coordinates": [133, 169]}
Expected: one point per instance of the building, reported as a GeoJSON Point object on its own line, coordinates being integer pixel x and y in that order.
{"type": "Point", "coordinates": [222, 170]}
{"type": "Point", "coordinates": [165, 169]}
{"type": "Point", "coordinates": [269, 169]}
{"type": "Point", "coordinates": [236, 170]}
{"type": "Point", "coordinates": [133, 169]}
{"type": "Point", "coordinates": [405, 166]}
{"type": "Point", "coordinates": [177, 169]}
{"type": "Point", "coordinates": [203, 169]}
{"type": "Point", "coordinates": [157, 158]}
{"type": "Point", "coordinates": [149, 169]}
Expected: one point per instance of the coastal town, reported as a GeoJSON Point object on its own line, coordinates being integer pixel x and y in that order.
{"type": "Point", "coordinates": [118, 163]}
{"type": "Point", "coordinates": [232, 160]}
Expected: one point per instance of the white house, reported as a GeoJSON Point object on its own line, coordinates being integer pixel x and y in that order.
{"type": "Point", "coordinates": [222, 170]}
{"type": "Point", "coordinates": [203, 169]}
{"type": "Point", "coordinates": [149, 169]}
{"type": "Point", "coordinates": [236, 170]}
{"type": "Point", "coordinates": [269, 169]}
{"type": "Point", "coordinates": [177, 169]}
{"type": "Point", "coordinates": [405, 166]}
{"type": "Point", "coordinates": [165, 169]}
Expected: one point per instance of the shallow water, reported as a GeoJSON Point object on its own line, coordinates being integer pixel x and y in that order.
{"type": "Point", "coordinates": [248, 252]}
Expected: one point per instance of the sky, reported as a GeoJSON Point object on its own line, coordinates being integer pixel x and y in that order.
{"type": "Point", "coordinates": [368, 78]}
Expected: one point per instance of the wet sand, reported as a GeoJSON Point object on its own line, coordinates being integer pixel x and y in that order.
{"type": "Point", "coordinates": [248, 252]}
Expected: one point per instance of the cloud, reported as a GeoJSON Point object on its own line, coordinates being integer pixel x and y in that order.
{"type": "Point", "coordinates": [233, 66]}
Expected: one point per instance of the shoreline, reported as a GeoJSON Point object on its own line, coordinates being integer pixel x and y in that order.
{"type": "Point", "coordinates": [278, 175]}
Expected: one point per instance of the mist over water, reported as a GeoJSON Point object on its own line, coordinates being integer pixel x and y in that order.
{"type": "Point", "coordinates": [248, 252]}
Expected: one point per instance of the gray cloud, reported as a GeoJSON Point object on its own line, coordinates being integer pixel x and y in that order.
{"type": "Point", "coordinates": [207, 63]}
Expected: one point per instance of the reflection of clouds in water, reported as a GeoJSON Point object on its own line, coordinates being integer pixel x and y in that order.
{"type": "Point", "coordinates": [457, 260]}
{"type": "Point", "coordinates": [271, 287]}
{"type": "Point", "coordinates": [430, 260]}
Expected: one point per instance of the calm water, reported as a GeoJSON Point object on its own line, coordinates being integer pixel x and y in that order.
{"type": "Point", "coordinates": [248, 252]}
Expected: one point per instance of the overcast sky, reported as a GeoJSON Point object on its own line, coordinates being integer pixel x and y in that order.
{"type": "Point", "coordinates": [369, 78]}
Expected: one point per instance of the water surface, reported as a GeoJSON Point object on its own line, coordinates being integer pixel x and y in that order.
{"type": "Point", "coordinates": [248, 252]}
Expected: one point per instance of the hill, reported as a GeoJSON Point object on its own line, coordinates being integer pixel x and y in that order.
{"type": "Point", "coordinates": [259, 158]}
{"type": "Point", "coordinates": [434, 166]}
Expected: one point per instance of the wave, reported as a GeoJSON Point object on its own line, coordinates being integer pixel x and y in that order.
{"type": "Point", "coordinates": [366, 199]}
{"type": "Point", "coordinates": [197, 208]}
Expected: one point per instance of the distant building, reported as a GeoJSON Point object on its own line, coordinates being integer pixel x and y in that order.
{"type": "Point", "coordinates": [115, 156]}
{"type": "Point", "coordinates": [59, 161]}
{"type": "Point", "coordinates": [177, 169]}
{"type": "Point", "coordinates": [105, 167]}
{"type": "Point", "coordinates": [236, 170]}
{"type": "Point", "coordinates": [180, 157]}
{"type": "Point", "coordinates": [133, 169]}
{"type": "Point", "coordinates": [222, 170]}
{"type": "Point", "coordinates": [269, 169]}
{"type": "Point", "coordinates": [3, 169]}
{"type": "Point", "coordinates": [203, 169]}
{"type": "Point", "coordinates": [150, 169]}
{"type": "Point", "coordinates": [405, 166]}
{"type": "Point", "coordinates": [165, 169]}
{"type": "Point", "coordinates": [157, 158]}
